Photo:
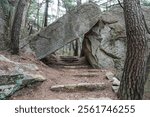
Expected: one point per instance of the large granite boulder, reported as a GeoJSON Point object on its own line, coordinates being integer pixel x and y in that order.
{"type": "Point", "coordinates": [15, 75]}
{"type": "Point", "coordinates": [105, 44]}
{"type": "Point", "coordinates": [71, 26]}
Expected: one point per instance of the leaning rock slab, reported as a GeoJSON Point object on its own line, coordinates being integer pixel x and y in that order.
{"type": "Point", "coordinates": [66, 29]}
{"type": "Point", "coordinates": [79, 87]}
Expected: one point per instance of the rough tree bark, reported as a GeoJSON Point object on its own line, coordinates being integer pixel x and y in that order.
{"type": "Point", "coordinates": [16, 26]}
{"type": "Point", "coordinates": [46, 13]}
{"type": "Point", "coordinates": [37, 15]}
{"type": "Point", "coordinates": [133, 79]}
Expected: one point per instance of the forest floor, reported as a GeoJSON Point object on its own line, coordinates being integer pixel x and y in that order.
{"type": "Point", "coordinates": [57, 74]}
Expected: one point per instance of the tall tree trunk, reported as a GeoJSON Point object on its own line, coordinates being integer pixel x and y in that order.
{"type": "Point", "coordinates": [25, 13]}
{"type": "Point", "coordinates": [76, 49]}
{"type": "Point", "coordinates": [37, 15]}
{"type": "Point", "coordinates": [133, 79]}
{"type": "Point", "coordinates": [46, 14]}
{"type": "Point", "coordinates": [79, 2]}
{"type": "Point", "coordinates": [15, 31]}
{"type": "Point", "coordinates": [76, 52]}
{"type": "Point", "coordinates": [58, 9]}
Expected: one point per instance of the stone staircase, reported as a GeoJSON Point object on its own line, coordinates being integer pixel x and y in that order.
{"type": "Point", "coordinates": [82, 81]}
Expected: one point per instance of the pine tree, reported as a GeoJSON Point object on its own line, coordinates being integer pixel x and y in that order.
{"type": "Point", "coordinates": [133, 79]}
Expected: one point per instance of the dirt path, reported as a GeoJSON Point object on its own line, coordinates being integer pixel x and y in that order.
{"type": "Point", "coordinates": [67, 74]}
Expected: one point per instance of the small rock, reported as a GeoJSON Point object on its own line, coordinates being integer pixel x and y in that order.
{"type": "Point", "coordinates": [116, 82]}
{"type": "Point", "coordinates": [115, 88]}
{"type": "Point", "coordinates": [103, 70]}
{"type": "Point", "coordinates": [109, 76]}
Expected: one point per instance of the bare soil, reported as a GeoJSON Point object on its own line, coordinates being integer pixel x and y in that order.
{"type": "Point", "coordinates": [62, 74]}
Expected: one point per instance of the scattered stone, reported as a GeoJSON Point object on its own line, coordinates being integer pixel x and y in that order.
{"type": "Point", "coordinates": [109, 76]}
{"type": "Point", "coordinates": [115, 88]}
{"type": "Point", "coordinates": [79, 87]}
{"type": "Point", "coordinates": [116, 82]}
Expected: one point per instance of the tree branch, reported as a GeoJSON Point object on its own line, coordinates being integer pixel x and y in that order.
{"type": "Point", "coordinates": [120, 4]}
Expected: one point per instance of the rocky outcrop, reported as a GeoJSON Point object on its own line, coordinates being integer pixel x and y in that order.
{"type": "Point", "coordinates": [105, 44]}
{"type": "Point", "coordinates": [15, 75]}
{"type": "Point", "coordinates": [71, 26]}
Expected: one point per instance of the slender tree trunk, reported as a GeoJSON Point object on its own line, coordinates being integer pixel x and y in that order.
{"type": "Point", "coordinates": [46, 14]}
{"type": "Point", "coordinates": [76, 49]}
{"type": "Point", "coordinates": [133, 79]}
{"type": "Point", "coordinates": [25, 12]}
{"type": "Point", "coordinates": [37, 16]}
{"type": "Point", "coordinates": [15, 31]}
{"type": "Point", "coordinates": [76, 52]}
{"type": "Point", "coordinates": [79, 2]}
{"type": "Point", "coordinates": [58, 9]}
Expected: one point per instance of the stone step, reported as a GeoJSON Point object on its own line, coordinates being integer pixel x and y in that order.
{"type": "Point", "coordinates": [69, 59]}
{"type": "Point", "coordinates": [79, 87]}
{"type": "Point", "coordinates": [76, 67]}
{"type": "Point", "coordinates": [100, 98]}
{"type": "Point", "coordinates": [86, 75]}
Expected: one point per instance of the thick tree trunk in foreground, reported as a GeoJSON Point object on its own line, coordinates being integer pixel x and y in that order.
{"type": "Point", "coordinates": [15, 31]}
{"type": "Point", "coordinates": [133, 79]}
